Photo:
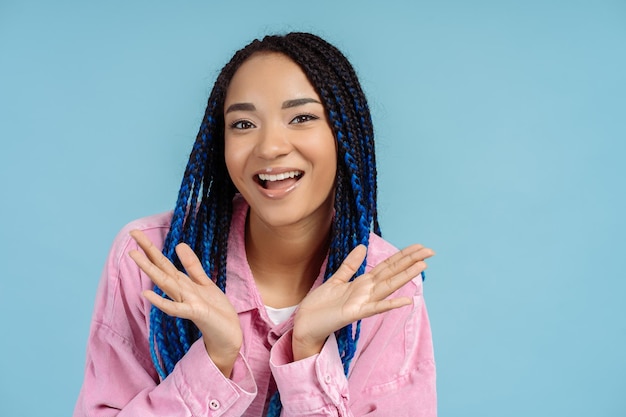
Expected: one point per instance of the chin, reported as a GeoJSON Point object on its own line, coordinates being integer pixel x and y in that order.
{"type": "Point", "coordinates": [291, 215]}
{"type": "Point", "coordinates": [283, 218]}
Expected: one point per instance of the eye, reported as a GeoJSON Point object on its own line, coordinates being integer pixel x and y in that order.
{"type": "Point", "coordinates": [242, 125]}
{"type": "Point", "coordinates": [302, 118]}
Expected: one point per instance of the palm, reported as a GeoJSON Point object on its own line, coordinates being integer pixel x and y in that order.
{"type": "Point", "coordinates": [338, 301]}
{"type": "Point", "coordinates": [194, 297]}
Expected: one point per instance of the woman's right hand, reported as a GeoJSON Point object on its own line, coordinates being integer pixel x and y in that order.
{"type": "Point", "coordinates": [194, 297]}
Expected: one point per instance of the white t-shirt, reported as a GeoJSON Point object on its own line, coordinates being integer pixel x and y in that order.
{"type": "Point", "coordinates": [279, 315]}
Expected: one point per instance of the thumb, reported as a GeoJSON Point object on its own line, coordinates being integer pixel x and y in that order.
{"type": "Point", "coordinates": [351, 264]}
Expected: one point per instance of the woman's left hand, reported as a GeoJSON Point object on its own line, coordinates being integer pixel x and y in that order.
{"type": "Point", "coordinates": [339, 301]}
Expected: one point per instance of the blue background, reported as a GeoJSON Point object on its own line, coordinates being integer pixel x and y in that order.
{"type": "Point", "coordinates": [501, 137]}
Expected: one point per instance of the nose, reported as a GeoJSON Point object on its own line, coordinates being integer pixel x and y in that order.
{"type": "Point", "coordinates": [273, 141]}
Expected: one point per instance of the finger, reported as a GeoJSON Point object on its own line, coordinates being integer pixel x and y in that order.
{"type": "Point", "coordinates": [351, 264]}
{"type": "Point", "coordinates": [192, 264]}
{"type": "Point", "coordinates": [169, 307]}
{"type": "Point", "coordinates": [385, 305]}
{"type": "Point", "coordinates": [409, 255]}
{"type": "Point", "coordinates": [152, 252]}
{"type": "Point", "coordinates": [400, 261]}
{"type": "Point", "coordinates": [164, 281]}
{"type": "Point", "coordinates": [385, 288]}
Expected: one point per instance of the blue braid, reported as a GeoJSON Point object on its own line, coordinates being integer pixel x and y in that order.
{"type": "Point", "coordinates": [346, 339]}
{"type": "Point", "coordinates": [274, 408]}
{"type": "Point", "coordinates": [155, 323]}
{"type": "Point", "coordinates": [171, 337]}
{"type": "Point", "coordinates": [182, 331]}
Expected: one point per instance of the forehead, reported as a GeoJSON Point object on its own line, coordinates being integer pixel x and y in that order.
{"type": "Point", "coordinates": [269, 74]}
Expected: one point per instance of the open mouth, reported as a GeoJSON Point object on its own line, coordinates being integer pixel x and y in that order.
{"type": "Point", "coordinates": [279, 181]}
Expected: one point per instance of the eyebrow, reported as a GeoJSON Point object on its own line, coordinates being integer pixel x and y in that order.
{"type": "Point", "coordinates": [298, 102]}
{"type": "Point", "coordinates": [240, 107]}
{"type": "Point", "coordinates": [286, 105]}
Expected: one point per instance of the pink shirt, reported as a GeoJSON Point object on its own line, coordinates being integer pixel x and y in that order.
{"type": "Point", "coordinates": [392, 373]}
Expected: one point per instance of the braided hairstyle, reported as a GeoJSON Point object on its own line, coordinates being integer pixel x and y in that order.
{"type": "Point", "coordinates": [204, 207]}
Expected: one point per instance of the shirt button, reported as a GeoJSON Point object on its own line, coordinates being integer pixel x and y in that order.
{"type": "Point", "coordinates": [327, 378]}
{"type": "Point", "coordinates": [214, 405]}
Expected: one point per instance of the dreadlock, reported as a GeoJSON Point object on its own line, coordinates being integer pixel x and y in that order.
{"type": "Point", "coordinates": [204, 207]}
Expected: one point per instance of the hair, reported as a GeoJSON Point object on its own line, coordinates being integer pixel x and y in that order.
{"type": "Point", "coordinates": [204, 207]}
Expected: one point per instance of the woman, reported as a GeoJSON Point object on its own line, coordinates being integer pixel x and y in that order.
{"type": "Point", "coordinates": [277, 212]}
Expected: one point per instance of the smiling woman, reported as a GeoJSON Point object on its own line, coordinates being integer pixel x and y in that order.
{"type": "Point", "coordinates": [268, 290]}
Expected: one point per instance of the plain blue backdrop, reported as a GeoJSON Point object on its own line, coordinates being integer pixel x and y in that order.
{"type": "Point", "coordinates": [501, 129]}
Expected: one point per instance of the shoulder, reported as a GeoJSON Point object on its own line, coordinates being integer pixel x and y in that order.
{"type": "Point", "coordinates": [120, 309]}
{"type": "Point", "coordinates": [155, 227]}
{"type": "Point", "coordinates": [121, 277]}
{"type": "Point", "coordinates": [121, 315]}
{"type": "Point", "coordinates": [379, 250]}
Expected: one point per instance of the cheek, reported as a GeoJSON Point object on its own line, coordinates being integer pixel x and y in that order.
{"type": "Point", "coordinates": [233, 159]}
{"type": "Point", "coordinates": [328, 156]}
{"type": "Point", "coordinates": [331, 164]}
{"type": "Point", "coordinates": [331, 153]}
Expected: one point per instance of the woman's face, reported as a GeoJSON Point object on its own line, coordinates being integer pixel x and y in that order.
{"type": "Point", "coordinates": [279, 149]}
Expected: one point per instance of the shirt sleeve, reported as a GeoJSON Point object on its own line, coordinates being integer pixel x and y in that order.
{"type": "Point", "coordinates": [392, 373]}
{"type": "Point", "coordinates": [314, 386]}
{"type": "Point", "coordinates": [120, 379]}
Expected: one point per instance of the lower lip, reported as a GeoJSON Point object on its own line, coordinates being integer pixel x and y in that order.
{"type": "Point", "coordinates": [278, 194]}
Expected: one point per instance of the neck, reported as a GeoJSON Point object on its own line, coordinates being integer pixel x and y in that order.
{"type": "Point", "coordinates": [285, 261]}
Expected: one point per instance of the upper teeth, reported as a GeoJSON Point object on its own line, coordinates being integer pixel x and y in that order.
{"type": "Point", "coordinates": [279, 177]}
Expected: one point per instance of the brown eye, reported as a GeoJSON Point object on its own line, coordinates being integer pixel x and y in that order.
{"type": "Point", "coordinates": [302, 118]}
{"type": "Point", "coordinates": [242, 125]}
